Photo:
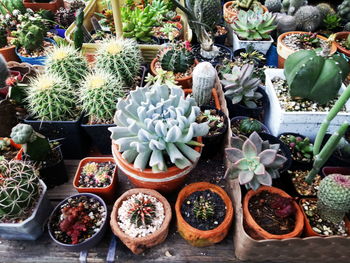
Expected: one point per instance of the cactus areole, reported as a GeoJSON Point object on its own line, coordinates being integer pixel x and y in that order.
{"type": "Point", "coordinates": [315, 75]}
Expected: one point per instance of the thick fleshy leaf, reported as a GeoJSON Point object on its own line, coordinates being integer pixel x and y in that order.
{"type": "Point", "coordinates": [157, 145]}
{"type": "Point", "coordinates": [141, 160]}
{"type": "Point", "coordinates": [249, 149]}
{"type": "Point", "coordinates": [173, 134]}
{"type": "Point", "coordinates": [242, 164]}
{"type": "Point", "coordinates": [200, 129]}
{"type": "Point", "coordinates": [260, 169]}
{"type": "Point", "coordinates": [245, 176]}
{"type": "Point", "coordinates": [188, 151]}
{"type": "Point", "coordinates": [139, 147]}
{"type": "Point", "coordinates": [267, 157]}
{"type": "Point", "coordinates": [119, 132]}
{"type": "Point", "coordinates": [236, 99]}
{"type": "Point", "coordinates": [250, 104]}
{"type": "Point", "coordinates": [237, 142]}
{"type": "Point", "coordinates": [278, 162]}
{"type": "Point", "coordinates": [161, 129]}
{"type": "Point", "coordinates": [157, 160]}
{"type": "Point", "coordinates": [265, 179]}
{"type": "Point", "coordinates": [124, 143]}
{"type": "Point", "coordinates": [234, 154]}
{"type": "Point", "coordinates": [145, 136]}
{"type": "Point", "coordinates": [256, 140]}
{"type": "Point", "coordinates": [173, 152]}
{"type": "Point", "coordinates": [253, 184]}
{"type": "Point", "coordinates": [130, 155]}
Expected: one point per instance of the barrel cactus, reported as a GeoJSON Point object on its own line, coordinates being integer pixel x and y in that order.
{"type": "Point", "coordinates": [177, 58]}
{"type": "Point", "coordinates": [156, 121]}
{"type": "Point", "coordinates": [98, 95]}
{"type": "Point", "coordinates": [50, 98]}
{"type": "Point", "coordinates": [68, 63]}
{"type": "Point", "coordinates": [255, 162]}
{"type": "Point", "coordinates": [315, 75]}
{"type": "Point", "coordinates": [286, 23]}
{"type": "Point", "coordinates": [121, 57]}
{"type": "Point", "coordinates": [204, 76]}
{"type": "Point", "coordinates": [334, 197]}
{"type": "Point", "coordinates": [273, 5]}
{"type": "Point", "coordinates": [343, 10]}
{"type": "Point", "coordinates": [19, 189]}
{"type": "Point", "coordinates": [308, 18]}
{"type": "Point", "coordinates": [209, 10]}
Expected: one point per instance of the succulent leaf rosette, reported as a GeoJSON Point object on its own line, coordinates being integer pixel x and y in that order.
{"type": "Point", "coordinates": [156, 125]}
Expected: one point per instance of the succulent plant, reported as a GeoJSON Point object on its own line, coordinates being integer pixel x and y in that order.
{"type": "Point", "coordinates": [98, 95]}
{"type": "Point", "coordinates": [210, 11]}
{"type": "Point", "coordinates": [315, 75]}
{"type": "Point", "coordinates": [78, 37]}
{"type": "Point", "coordinates": [346, 27]}
{"type": "Point", "coordinates": [8, 6]}
{"type": "Point", "coordinates": [273, 5]}
{"type": "Point", "coordinates": [299, 146]}
{"type": "Point", "coordinates": [68, 63]}
{"type": "Point", "coordinates": [255, 162]}
{"type": "Point", "coordinates": [325, 10]}
{"type": "Point", "coordinates": [347, 42]}
{"type": "Point", "coordinates": [286, 23]}
{"type": "Point", "coordinates": [157, 121]}
{"type": "Point", "coordinates": [162, 77]}
{"type": "Point", "coordinates": [177, 58]}
{"type": "Point", "coordinates": [19, 189]}
{"type": "Point", "coordinates": [35, 145]}
{"type": "Point", "coordinates": [250, 125]}
{"type": "Point", "coordinates": [292, 6]}
{"type": "Point", "coordinates": [331, 22]}
{"type": "Point", "coordinates": [5, 144]}
{"type": "Point", "coordinates": [254, 25]}
{"type": "Point", "coordinates": [121, 57]}
{"type": "Point", "coordinates": [240, 86]}
{"type": "Point", "coordinates": [308, 18]}
{"type": "Point", "coordinates": [309, 39]}
{"type": "Point", "coordinates": [334, 197]}
{"type": "Point", "coordinates": [143, 212]}
{"type": "Point", "coordinates": [203, 76]}
{"type": "Point", "coordinates": [51, 98]}
{"type": "Point", "coordinates": [203, 208]}
{"type": "Point", "coordinates": [343, 11]}
{"type": "Point", "coordinates": [283, 206]}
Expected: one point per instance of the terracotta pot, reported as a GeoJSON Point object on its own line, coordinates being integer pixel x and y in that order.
{"type": "Point", "coordinates": [9, 53]}
{"type": "Point", "coordinates": [214, 94]}
{"type": "Point", "coordinates": [194, 236]}
{"type": "Point", "coordinates": [139, 244]}
{"type": "Point", "coordinates": [17, 147]}
{"type": "Point", "coordinates": [308, 231]}
{"type": "Point", "coordinates": [53, 6]}
{"type": "Point", "coordinates": [341, 49]}
{"type": "Point", "coordinates": [256, 231]}
{"type": "Point", "coordinates": [107, 193]}
{"type": "Point", "coordinates": [284, 51]}
{"type": "Point", "coordinates": [186, 82]}
{"type": "Point", "coordinates": [230, 15]}
{"type": "Point", "coordinates": [167, 181]}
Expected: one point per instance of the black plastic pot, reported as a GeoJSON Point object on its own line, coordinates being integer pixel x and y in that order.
{"type": "Point", "coordinates": [238, 118]}
{"type": "Point", "coordinates": [335, 170]}
{"type": "Point", "coordinates": [241, 110]}
{"type": "Point", "coordinates": [225, 53]}
{"type": "Point", "coordinates": [71, 136]}
{"type": "Point", "coordinates": [335, 159]}
{"type": "Point", "coordinates": [220, 40]}
{"type": "Point", "coordinates": [237, 53]}
{"type": "Point", "coordinates": [211, 143]}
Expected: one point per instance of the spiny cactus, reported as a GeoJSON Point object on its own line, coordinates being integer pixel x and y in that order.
{"type": "Point", "coordinates": [273, 5]}
{"type": "Point", "coordinates": [241, 86]}
{"type": "Point", "coordinates": [286, 23]}
{"type": "Point", "coordinates": [35, 145]}
{"type": "Point", "coordinates": [292, 6]}
{"type": "Point", "coordinates": [203, 76]}
{"type": "Point", "coordinates": [209, 11]}
{"type": "Point", "coordinates": [98, 95]}
{"type": "Point", "coordinates": [334, 197]}
{"type": "Point", "coordinates": [142, 212]}
{"type": "Point", "coordinates": [343, 10]}
{"type": "Point", "coordinates": [255, 162]}
{"type": "Point", "coordinates": [203, 208]}
{"type": "Point", "coordinates": [19, 189]}
{"type": "Point", "coordinates": [254, 25]}
{"type": "Point", "coordinates": [250, 125]}
{"type": "Point", "coordinates": [315, 75]}
{"type": "Point", "coordinates": [157, 121]}
{"type": "Point", "coordinates": [177, 58]}
{"type": "Point", "coordinates": [121, 57]}
{"type": "Point", "coordinates": [325, 9]}
{"type": "Point", "coordinates": [68, 63]}
{"type": "Point", "coordinates": [50, 98]}
{"type": "Point", "coordinates": [308, 18]}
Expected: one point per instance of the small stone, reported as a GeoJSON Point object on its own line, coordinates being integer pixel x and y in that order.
{"type": "Point", "coordinates": [317, 230]}
{"type": "Point", "coordinates": [167, 253]}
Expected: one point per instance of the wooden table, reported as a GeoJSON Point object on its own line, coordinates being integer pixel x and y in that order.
{"type": "Point", "coordinates": [174, 249]}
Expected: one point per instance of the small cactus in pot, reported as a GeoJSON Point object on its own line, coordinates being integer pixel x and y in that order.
{"type": "Point", "coordinates": [178, 58]}
{"type": "Point", "coordinates": [204, 76]}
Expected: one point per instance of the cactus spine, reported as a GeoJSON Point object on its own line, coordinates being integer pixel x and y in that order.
{"type": "Point", "coordinates": [273, 5]}
{"type": "Point", "coordinates": [204, 76]}
{"type": "Point", "coordinates": [121, 57]}
{"type": "Point", "coordinates": [308, 18]}
{"type": "Point", "coordinates": [19, 189]}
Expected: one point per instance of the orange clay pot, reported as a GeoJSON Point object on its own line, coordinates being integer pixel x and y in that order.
{"type": "Point", "coordinates": [256, 230]}
{"type": "Point", "coordinates": [53, 6]}
{"type": "Point", "coordinates": [214, 93]}
{"type": "Point", "coordinates": [202, 238]}
{"type": "Point", "coordinates": [107, 193]}
{"type": "Point", "coordinates": [139, 244]}
{"type": "Point", "coordinates": [308, 231]}
{"type": "Point", "coordinates": [167, 181]}
{"type": "Point", "coordinates": [284, 51]}
{"type": "Point", "coordinates": [186, 82]}
{"type": "Point", "coordinates": [9, 53]}
{"type": "Point", "coordinates": [342, 35]}
{"type": "Point", "coordinates": [231, 15]}
{"type": "Point", "coordinates": [18, 147]}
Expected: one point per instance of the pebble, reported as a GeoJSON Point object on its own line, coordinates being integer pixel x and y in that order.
{"type": "Point", "coordinates": [316, 230]}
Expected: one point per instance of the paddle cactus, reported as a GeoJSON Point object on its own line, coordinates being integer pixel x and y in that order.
{"type": "Point", "coordinates": [19, 189]}
{"type": "Point", "coordinates": [177, 58]}
{"type": "Point", "coordinates": [240, 86]}
{"type": "Point", "coordinates": [68, 63]}
{"type": "Point", "coordinates": [35, 145]}
{"type": "Point", "coordinates": [156, 121]}
{"type": "Point", "coordinates": [334, 197]}
{"type": "Point", "coordinates": [203, 76]}
{"type": "Point", "coordinates": [343, 10]}
{"type": "Point", "coordinates": [255, 162]}
{"type": "Point", "coordinates": [315, 75]}
{"type": "Point", "coordinates": [273, 5]}
{"type": "Point", "coordinates": [308, 18]}
{"type": "Point", "coordinates": [121, 57]}
{"type": "Point", "coordinates": [98, 95]}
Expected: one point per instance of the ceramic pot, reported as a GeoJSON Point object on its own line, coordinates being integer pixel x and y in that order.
{"type": "Point", "coordinates": [231, 15]}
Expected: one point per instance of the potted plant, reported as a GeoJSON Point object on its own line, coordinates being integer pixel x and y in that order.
{"type": "Point", "coordinates": [177, 58]}
{"type": "Point", "coordinates": [142, 148]}
{"type": "Point", "coordinates": [24, 211]}
{"type": "Point", "coordinates": [242, 125]}
{"type": "Point", "coordinates": [253, 28]}
{"type": "Point", "coordinates": [166, 32]}
{"type": "Point", "coordinates": [36, 5]}
{"type": "Point", "coordinates": [97, 175]}
{"type": "Point", "coordinates": [204, 214]}
{"type": "Point", "coordinates": [47, 157]}
{"type": "Point", "coordinates": [7, 49]}
{"type": "Point", "coordinates": [8, 149]}
{"type": "Point", "coordinates": [342, 41]}
{"type": "Point", "coordinates": [141, 218]}
{"type": "Point", "coordinates": [78, 222]}
{"type": "Point", "coordinates": [232, 8]}
{"type": "Point", "coordinates": [243, 95]}
{"type": "Point", "coordinates": [291, 42]}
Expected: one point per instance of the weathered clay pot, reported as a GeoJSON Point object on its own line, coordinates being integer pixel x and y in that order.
{"type": "Point", "coordinates": [139, 244]}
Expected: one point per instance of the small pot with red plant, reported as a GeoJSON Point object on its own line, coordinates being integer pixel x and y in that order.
{"type": "Point", "coordinates": [241, 125]}
{"type": "Point", "coordinates": [78, 222]}
{"type": "Point", "coordinates": [8, 149]}
{"type": "Point", "coordinates": [217, 128]}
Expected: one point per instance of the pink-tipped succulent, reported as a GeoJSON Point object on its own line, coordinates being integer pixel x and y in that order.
{"type": "Point", "coordinates": [255, 162]}
{"type": "Point", "coordinates": [283, 206]}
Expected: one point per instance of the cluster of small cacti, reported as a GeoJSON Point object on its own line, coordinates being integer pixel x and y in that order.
{"type": "Point", "coordinates": [19, 189]}
{"type": "Point", "coordinates": [273, 5]}
{"type": "Point", "coordinates": [292, 6]}
{"type": "Point", "coordinates": [203, 76]}
{"type": "Point", "coordinates": [308, 18]}
{"type": "Point", "coordinates": [343, 11]}
{"type": "Point", "coordinates": [203, 208]}
{"type": "Point", "coordinates": [143, 212]}
{"type": "Point", "coordinates": [177, 58]}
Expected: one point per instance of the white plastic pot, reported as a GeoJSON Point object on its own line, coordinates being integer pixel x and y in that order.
{"type": "Point", "coordinates": [261, 46]}
{"type": "Point", "coordinates": [33, 226]}
{"type": "Point", "coordinates": [306, 123]}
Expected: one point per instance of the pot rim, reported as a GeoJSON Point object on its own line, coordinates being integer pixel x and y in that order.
{"type": "Point", "coordinates": [341, 35]}
{"type": "Point", "coordinates": [246, 117]}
